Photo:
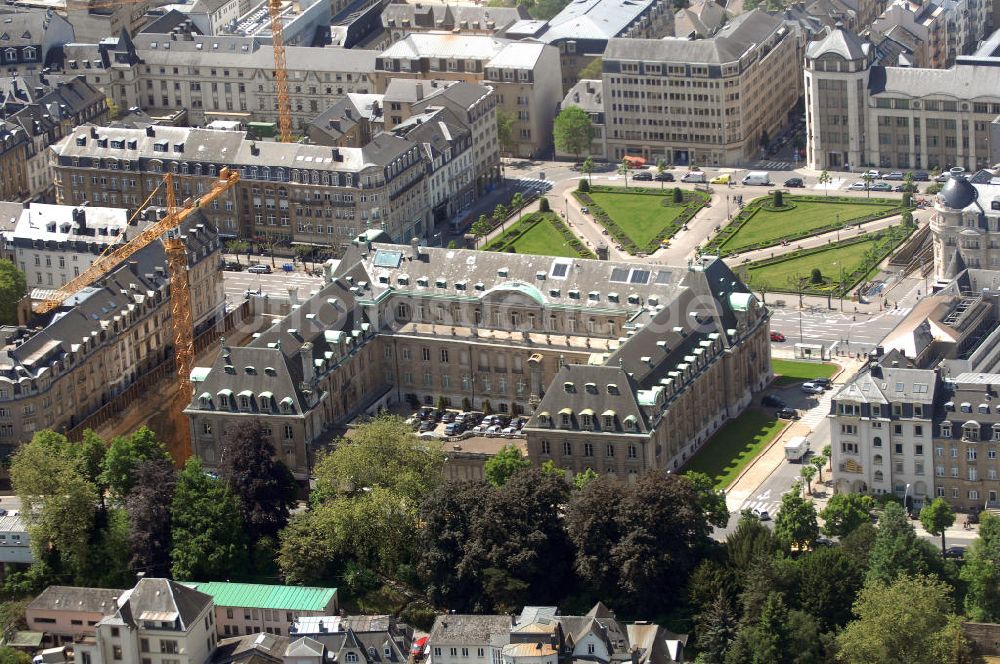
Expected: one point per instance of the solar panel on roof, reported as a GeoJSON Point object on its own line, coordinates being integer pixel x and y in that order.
{"type": "Point", "coordinates": [387, 258]}
{"type": "Point", "coordinates": [663, 277]}
{"type": "Point", "coordinates": [560, 269]}
{"type": "Point", "coordinates": [639, 276]}
{"type": "Point", "coordinates": [620, 274]}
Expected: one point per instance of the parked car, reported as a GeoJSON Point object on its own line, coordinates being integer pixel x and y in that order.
{"type": "Point", "coordinates": [777, 336]}
{"type": "Point", "coordinates": [721, 179]}
{"type": "Point", "coordinates": [795, 182]}
{"type": "Point", "coordinates": [912, 188]}
{"type": "Point", "coordinates": [874, 173]}
{"type": "Point", "coordinates": [695, 176]}
{"type": "Point", "coordinates": [895, 175]}
{"type": "Point", "coordinates": [452, 429]}
{"type": "Point", "coordinates": [644, 176]}
{"type": "Point", "coordinates": [954, 552]}
{"type": "Point", "coordinates": [509, 431]}
{"type": "Point", "coordinates": [664, 177]}
{"type": "Point", "coordinates": [921, 176]}
{"type": "Point", "coordinates": [773, 401]}
{"type": "Point", "coordinates": [230, 266]}
{"type": "Point", "coordinates": [858, 186]}
{"type": "Point", "coordinates": [825, 383]}
{"type": "Point", "coordinates": [585, 210]}
{"type": "Point", "coordinates": [493, 430]}
{"type": "Point", "coordinates": [761, 514]}
{"type": "Point", "coordinates": [881, 186]}
{"type": "Point", "coordinates": [250, 292]}
{"type": "Point", "coordinates": [812, 388]}
{"type": "Point", "coordinates": [448, 417]}
{"type": "Point", "coordinates": [417, 649]}
{"type": "Point", "coordinates": [260, 268]}
{"type": "Point", "coordinates": [787, 414]}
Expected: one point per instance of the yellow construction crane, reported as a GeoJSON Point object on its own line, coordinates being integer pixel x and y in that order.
{"type": "Point", "coordinates": [168, 229]}
{"type": "Point", "coordinates": [280, 72]}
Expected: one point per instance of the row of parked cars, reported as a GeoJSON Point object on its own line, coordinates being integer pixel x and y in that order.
{"type": "Point", "coordinates": [455, 422]}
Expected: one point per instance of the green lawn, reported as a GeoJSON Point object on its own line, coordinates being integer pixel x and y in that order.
{"type": "Point", "coordinates": [770, 226]}
{"type": "Point", "coordinates": [735, 445]}
{"type": "Point", "coordinates": [777, 276]}
{"type": "Point", "coordinates": [641, 216]}
{"type": "Point", "coordinates": [542, 238]}
{"type": "Point", "coordinates": [794, 371]}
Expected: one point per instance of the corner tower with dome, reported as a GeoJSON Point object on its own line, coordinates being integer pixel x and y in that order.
{"type": "Point", "coordinates": [965, 226]}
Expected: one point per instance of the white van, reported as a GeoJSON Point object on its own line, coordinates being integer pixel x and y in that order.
{"type": "Point", "coordinates": [796, 448]}
{"type": "Point", "coordinates": [695, 176]}
{"type": "Point", "coordinates": [758, 178]}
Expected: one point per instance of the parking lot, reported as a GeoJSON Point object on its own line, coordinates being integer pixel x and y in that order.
{"type": "Point", "coordinates": [430, 422]}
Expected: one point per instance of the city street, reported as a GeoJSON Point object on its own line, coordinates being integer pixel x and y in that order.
{"type": "Point", "coordinates": [834, 329]}
{"type": "Point", "coordinates": [275, 284]}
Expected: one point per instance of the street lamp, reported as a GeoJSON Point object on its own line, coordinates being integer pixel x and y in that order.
{"type": "Point", "coordinates": [906, 493]}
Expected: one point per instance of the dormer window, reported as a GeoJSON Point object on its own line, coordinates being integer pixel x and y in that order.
{"type": "Point", "coordinates": [351, 658]}
{"type": "Point", "coordinates": [585, 421]}
{"type": "Point", "coordinates": [970, 431]}
{"type": "Point", "coordinates": [946, 430]}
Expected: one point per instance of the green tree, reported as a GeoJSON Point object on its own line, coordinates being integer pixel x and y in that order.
{"type": "Point", "coordinates": [795, 524]}
{"type": "Point", "coordinates": [13, 287]}
{"type": "Point", "coordinates": [125, 455]}
{"type": "Point", "coordinates": [750, 541]}
{"type": "Point", "coordinates": [677, 196]}
{"type": "Point", "coordinates": [381, 453]}
{"type": "Point", "coordinates": [207, 531]}
{"type": "Point", "coordinates": [910, 620]}
{"type": "Point", "coordinates": [778, 198]}
{"type": "Point", "coordinates": [517, 203]}
{"type": "Point", "coordinates": [587, 168]}
{"type": "Point", "coordinates": [711, 500]}
{"type": "Point", "coordinates": [593, 70]}
{"type": "Point", "coordinates": [825, 179]}
{"type": "Point", "coordinates": [816, 276]}
{"type": "Point", "coordinates": [504, 464]}
{"type": "Point", "coordinates": [481, 228]}
{"type": "Point", "coordinates": [868, 179]}
{"type": "Point", "coordinates": [573, 131]}
{"type": "Point", "coordinates": [819, 463]}
{"type": "Point", "coordinates": [936, 517]}
{"type": "Point", "coordinates": [716, 628]}
{"type": "Point", "coordinates": [827, 583]}
{"type": "Point", "coordinates": [581, 480]}
{"type": "Point", "coordinates": [236, 247]}
{"type": "Point", "coordinates": [10, 655]}
{"type": "Point", "coordinates": [908, 182]}
{"type": "Point", "coordinates": [896, 550]}
{"type": "Point", "coordinates": [303, 252]}
{"type": "Point", "coordinates": [907, 218]}
{"type": "Point", "coordinates": [543, 204]}
{"type": "Point", "coordinates": [623, 167]}
{"type": "Point", "coordinates": [981, 572]}
{"type": "Point", "coordinates": [500, 213]}
{"type": "Point", "coordinates": [505, 131]}
{"type": "Point", "coordinates": [845, 512]}
{"type": "Point", "coordinates": [58, 502]}
{"type": "Point", "coordinates": [808, 472]}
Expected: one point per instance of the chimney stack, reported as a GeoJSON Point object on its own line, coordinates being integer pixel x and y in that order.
{"type": "Point", "coordinates": [415, 249]}
{"type": "Point", "coordinates": [305, 352]}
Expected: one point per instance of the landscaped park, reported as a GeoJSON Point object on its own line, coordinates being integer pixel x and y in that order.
{"type": "Point", "coordinates": [541, 233]}
{"type": "Point", "coordinates": [770, 220]}
{"type": "Point", "coordinates": [641, 219]}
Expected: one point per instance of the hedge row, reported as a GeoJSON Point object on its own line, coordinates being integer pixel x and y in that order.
{"type": "Point", "coordinates": [514, 233]}
{"type": "Point", "coordinates": [893, 236]}
{"type": "Point", "coordinates": [694, 201]}
{"type": "Point", "coordinates": [718, 243]}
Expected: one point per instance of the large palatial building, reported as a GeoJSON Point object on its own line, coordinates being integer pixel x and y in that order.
{"type": "Point", "coordinates": [622, 367]}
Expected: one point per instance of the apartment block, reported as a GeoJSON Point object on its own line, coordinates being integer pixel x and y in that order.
{"type": "Point", "coordinates": [14, 148]}
{"type": "Point", "coordinates": [66, 366]}
{"type": "Point", "coordinates": [860, 113]}
{"type": "Point", "coordinates": [582, 30]}
{"type": "Point", "coordinates": [704, 101]}
{"type": "Point", "coordinates": [526, 77]}
{"type": "Point", "coordinates": [67, 613]}
{"type": "Point", "coordinates": [159, 621]}
{"type": "Point", "coordinates": [401, 19]}
{"type": "Point", "coordinates": [418, 323]}
{"type": "Point", "coordinates": [288, 192]}
{"type": "Point", "coordinates": [34, 37]}
{"type": "Point", "coordinates": [223, 77]}
{"type": "Point", "coordinates": [250, 608]}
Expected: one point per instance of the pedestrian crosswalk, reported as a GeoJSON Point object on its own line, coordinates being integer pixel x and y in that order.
{"type": "Point", "coordinates": [533, 184]}
{"type": "Point", "coordinates": [815, 415]}
{"type": "Point", "coordinates": [772, 165]}
{"type": "Point", "coordinates": [769, 506]}
{"type": "Point", "coordinates": [902, 311]}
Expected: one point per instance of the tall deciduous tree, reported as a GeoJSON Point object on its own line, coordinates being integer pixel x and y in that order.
{"type": "Point", "coordinates": [594, 528]}
{"type": "Point", "coordinates": [796, 524]}
{"type": "Point", "coordinates": [937, 517]}
{"type": "Point", "coordinates": [981, 572]}
{"type": "Point", "coordinates": [504, 464]}
{"type": "Point", "coordinates": [587, 168]}
{"type": "Point", "coordinates": [505, 130]}
{"type": "Point", "coordinates": [573, 131]}
{"type": "Point", "coordinates": [208, 538]}
{"type": "Point", "coordinates": [910, 620]}
{"type": "Point", "coordinates": [264, 488]}
{"type": "Point", "coordinates": [896, 550]}
{"type": "Point", "coordinates": [148, 507]}
{"type": "Point", "coordinates": [58, 502]}
{"type": "Point", "coordinates": [845, 512]}
{"type": "Point", "coordinates": [828, 582]}
{"type": "Point", "coordinates": [125, 455]}
{"type": "Point", "coordinates": [13, 287]}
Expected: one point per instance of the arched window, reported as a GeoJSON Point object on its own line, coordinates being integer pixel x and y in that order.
{"type": "Point", "coordinates": [877, 442]}
{"type": "Point", "coordinates": [877, 460]}
{"type": "Point", "coordinates": [879, 477]}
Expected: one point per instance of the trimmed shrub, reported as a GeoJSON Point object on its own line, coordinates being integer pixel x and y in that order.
{"type": "Point", "coordinates": [678, 195]}
{"type": "Point", "coordinates": [816, 276]}
{"type": "Point", "coordinates": [543, 204]}
{"type": "Point", "coordinates": [907, 199]}
{"type": "Point", "coordinates": [584, 185]}
{"type": "Point", "coordinates": [779, 199]}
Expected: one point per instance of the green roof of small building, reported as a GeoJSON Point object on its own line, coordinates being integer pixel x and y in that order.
{"type": "Point", "coordinates": [263, 596]}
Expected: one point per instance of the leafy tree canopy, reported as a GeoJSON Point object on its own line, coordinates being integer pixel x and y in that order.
{"type": "Point", "coordinates": [125, 455]}
{"type": "Point", "coordinates": [573, 131]}
{"type": "Point", "coordinates": [13, 287]}
{"type": "Point", "coordinates": [502, 466]}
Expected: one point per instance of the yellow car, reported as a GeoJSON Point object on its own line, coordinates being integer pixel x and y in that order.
{"type": "Point", "coordinates": [721, 179]}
